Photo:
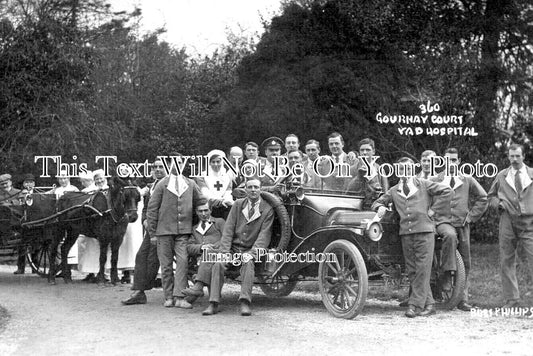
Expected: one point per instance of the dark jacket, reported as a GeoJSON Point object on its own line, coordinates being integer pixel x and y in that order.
{"type": "Point", "coordinates": [211, 236]}
{"type": "Point", "coordinates": [243, 235]}
{"type": "Point", "coordinates": [502, 194]}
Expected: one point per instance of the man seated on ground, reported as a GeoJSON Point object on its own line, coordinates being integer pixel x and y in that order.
{"type": "Point", "coordinates": [205, 239]}
{"type": "Point", "coordinates": [247, 231]}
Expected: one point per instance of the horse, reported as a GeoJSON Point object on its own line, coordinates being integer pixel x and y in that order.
{"type": "Point", "coordinates": [106, 219]}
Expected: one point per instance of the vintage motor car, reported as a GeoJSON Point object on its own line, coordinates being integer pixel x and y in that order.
{"type": "Point", "coordinates": [359, 246]}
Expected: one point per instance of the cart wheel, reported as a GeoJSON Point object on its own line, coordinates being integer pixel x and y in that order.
{"type": "Point", "coordinates": [344, 282]}
{"type": "Point", "coordinates": [279, 286]}
{"type": "Point", "coordinates": [449, 299]}
{"type": "Point", "coordinates": [39, 260]}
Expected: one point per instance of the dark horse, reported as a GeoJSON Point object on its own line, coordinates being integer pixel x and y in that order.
{"type": "Point", "coordinates": [106, 219]}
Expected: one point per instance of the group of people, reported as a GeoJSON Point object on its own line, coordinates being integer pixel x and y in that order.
{"type": "Point", "coordinates": [233, 218]}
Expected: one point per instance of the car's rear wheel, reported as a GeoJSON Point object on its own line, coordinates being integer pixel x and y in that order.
{"type": "Point", "coordinates": [279, 286]}
{"type": "Point", "coordinates": [343, 280]}
{"type": "Point", "coordinates": [448, 299]}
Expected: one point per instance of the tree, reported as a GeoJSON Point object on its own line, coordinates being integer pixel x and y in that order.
{"type": "Point", "coordinates": [333, 65]}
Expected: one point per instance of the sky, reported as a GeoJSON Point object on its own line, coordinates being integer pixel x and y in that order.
{"type": "Point", "coordinates": [201, 25]}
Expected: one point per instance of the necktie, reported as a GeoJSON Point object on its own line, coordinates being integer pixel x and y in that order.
{"type": "Point", "coordinates": [336, 159]}
{"type": "Point", "coordinates": [518, 182]}
{"type": "Point", "coordinates": [452, 182]}
{"type": "Point", "coordinates": [203, 225]}
{"type": "Point", "coordinates": [405, 187]}
{"type": "Point", "coordinates": [251, 211]}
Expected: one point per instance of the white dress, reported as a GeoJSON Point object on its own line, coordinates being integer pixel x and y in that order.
{"type": "Point", "coordinates": [72, 257]}
{"type": "Point", "coordinates": [131, 243]}
{"type": "Point", "coordinates": [89, 248]}
{"type": "Point", "coordinates": [217, 185]}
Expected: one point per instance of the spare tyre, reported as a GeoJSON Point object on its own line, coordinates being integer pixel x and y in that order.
{"type": "Point", "coordinates": [284, 221]}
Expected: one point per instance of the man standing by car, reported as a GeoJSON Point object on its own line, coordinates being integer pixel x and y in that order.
{"type": "Point", "coordinates": [468, 203]}
{"type": "Point", "coordinates": [247, 230]}
{"type": "Point", "coordinates": [512, 195]}
{"type": "Point", "coordinates": [146, 261]}
{"type": "Point", "coordinates": [169, 219]}
{"type": "Point", "coordinates": [413, 198]}
{"type": "Point", "coordinates": [444, 228]}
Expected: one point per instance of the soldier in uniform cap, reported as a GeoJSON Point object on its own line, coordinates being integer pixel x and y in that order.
{"type": "Point", "coordinates": [270, 182]}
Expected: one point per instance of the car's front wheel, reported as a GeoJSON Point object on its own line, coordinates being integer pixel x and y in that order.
{"type": "Point", "coordinates": [343, 279]}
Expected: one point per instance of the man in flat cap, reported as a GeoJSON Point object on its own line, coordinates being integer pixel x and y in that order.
{"type": "Point", "coordinates": [8, 194]}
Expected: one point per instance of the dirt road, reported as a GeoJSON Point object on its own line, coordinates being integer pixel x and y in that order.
{"type": "Point", "coordinates": [84, 319]}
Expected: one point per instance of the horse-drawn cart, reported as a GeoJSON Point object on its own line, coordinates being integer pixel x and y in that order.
{"type": "Point", "coordinates": [31, 223]}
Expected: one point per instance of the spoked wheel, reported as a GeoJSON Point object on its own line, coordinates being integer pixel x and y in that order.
{"type": "Point", "coordinates": [279, 286]}
{"type": "Point", "coordinates": [448, 299]}
{"type": "Point", "coordinates": [40, 259]}
{"type": "Point", "coordinates": [343, 282]}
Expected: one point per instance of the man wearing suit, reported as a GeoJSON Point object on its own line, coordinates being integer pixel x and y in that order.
{"type": "Point", "coordinates": [413, 199]}
{"type": "Point", "coordinates": [468, 204]}
{"type": "Point", "coordinates": [312, 149]}
{"type": "Point", "coordinates": [169, 219]}
{"type": "Point", "coordinates": [336, 169]}
{"type": "Point", "coordinates": [512, 195]}
{"type": "Point", "coordinates": [367, 148]}
{"type": "Point", "coordinates": [146, 261]}
{"type": "Point", "coordinates": [269, 180]}
{"type": "Point", "coordinates": [205, 239]}
{"type": "Point", "coordinates": [444, 228]}
{"type": "Point", "coordinates": [247, 231]}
